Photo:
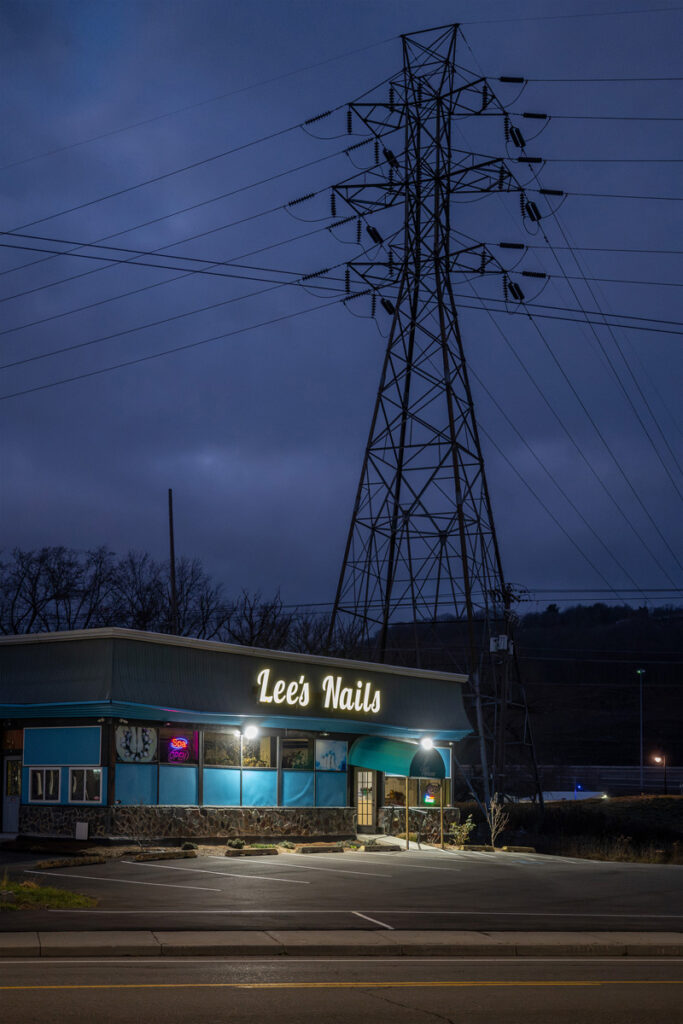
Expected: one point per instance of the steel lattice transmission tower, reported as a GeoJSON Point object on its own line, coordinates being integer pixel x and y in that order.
{"type": "Point", "coordinates": [422, 543]}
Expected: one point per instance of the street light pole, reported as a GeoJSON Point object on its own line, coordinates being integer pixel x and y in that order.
{"type": "Point", "coordinates": [640, 672]}
{"type": "Point", "coordinates": [662, 760]}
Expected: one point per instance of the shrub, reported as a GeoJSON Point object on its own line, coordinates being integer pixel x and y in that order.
{"type": "Point", "coordinates": [189, 846]}
{"type": "Point", "coordinates": [235, 844]}
{"type": "Point", "coordinates": [460, 832]}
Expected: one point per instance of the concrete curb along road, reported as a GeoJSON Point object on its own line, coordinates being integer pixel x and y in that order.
{"type": "Point", "coordinates": [340, 943]}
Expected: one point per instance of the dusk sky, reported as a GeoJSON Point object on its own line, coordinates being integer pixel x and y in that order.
{"type": "Point", "coordinates": [261, 433]}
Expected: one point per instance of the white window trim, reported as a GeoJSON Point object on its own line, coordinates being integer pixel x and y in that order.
{"type": "Point", "coordinates": [86, 768]}
{"type": "Point", "coordinates": [45, 768]}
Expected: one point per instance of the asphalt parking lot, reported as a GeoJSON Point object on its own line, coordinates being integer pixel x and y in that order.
{"type": "Point", "coordinates": [427, 889]}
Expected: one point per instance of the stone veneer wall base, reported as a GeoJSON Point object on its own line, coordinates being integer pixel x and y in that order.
{"type": "Point", "coordinates": [139, 823]}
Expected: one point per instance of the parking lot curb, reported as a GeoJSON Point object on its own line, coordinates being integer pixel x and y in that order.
{"type": "Point", "coordinates": [341, 943]}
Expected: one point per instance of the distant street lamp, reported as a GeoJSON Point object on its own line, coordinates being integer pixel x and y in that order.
{"type": "Point", "coordinates": [640, 672]}
{"type": "Point", "coordinates": [661, 759]}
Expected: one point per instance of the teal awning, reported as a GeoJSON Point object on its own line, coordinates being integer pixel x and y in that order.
{"type": "Point", "coordinates": [396, 757]}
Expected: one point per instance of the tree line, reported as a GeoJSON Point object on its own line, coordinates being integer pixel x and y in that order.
{"type": "Point", "coordinates": [59, 588]}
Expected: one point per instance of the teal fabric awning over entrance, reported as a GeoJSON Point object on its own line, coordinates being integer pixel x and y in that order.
{"type": "Point", "coordinates": [397, 757]}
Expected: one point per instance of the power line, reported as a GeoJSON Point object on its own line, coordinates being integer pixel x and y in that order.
{"type": "Point", "coordinates": [318, 281]}
{"type": "Point", "coordinates": [170, 280]}
{"type": "Point", "coordinates": [200, 103]}
{"type": "Point", "coordinates": [112, 261]}
{"type": "Point", "coordinates": [608, 448]}
{"type": "Point", "coordinates": [584, 458]}
{"type": "Point", "coordinates": [609, 160]}
{"type": "Point", "coordinates": [138, 262]}
{"type": "Point", "coordinates": [627, 396]}
{"type": "Point", "coordinates": [592, 325]}
{"type": "Point", "coordinates": [165, 320]}
{"type": "Point", "coordinates": [608, 117]}
{"type": "Point", "coordinates": [672, 78]}
{"type": "Point", "coordinates": [562, 17]}
{"type": "Point", "coordinates": [177, 348]}
{"type": "Point", "coordinates": [595, 248]}
{"type": "Point", "coordinates": [175, 213]}
{"type": "Point", "coordinates": [562, 491]}
{"type": "Point", "coordinates": [621, 195]}
{"type": "Point", "coordinates": [581, 314]}
{"type": "Point", "coordinates": [617, 377]}
{"type": "Point", "coordinates": [157, 178]}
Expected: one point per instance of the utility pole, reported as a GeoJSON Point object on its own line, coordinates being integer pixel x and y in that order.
{"type": "Point", "coordinates": [640, 672]}
{"type": "Point", "coordinates": [422, 543]}
{"type": "Point", "coordinates": [171, 539]}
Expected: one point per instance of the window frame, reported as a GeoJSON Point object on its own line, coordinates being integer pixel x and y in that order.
{"type": "Point", "coordinates": [230, 733]}
{"type": "Point", "coordinates": [44, 768]}
{"type": "Point", "coordinates": [85, 768]}
{"type": "Point", "coordinates": [310, 740]}
{"type": "Point", "coordinates": [178, 731]}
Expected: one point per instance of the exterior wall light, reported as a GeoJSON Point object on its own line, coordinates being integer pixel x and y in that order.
{"type": "Point", "coordinates": [251, 732]}
{"type": "Point", "coordinates": [427, 742]}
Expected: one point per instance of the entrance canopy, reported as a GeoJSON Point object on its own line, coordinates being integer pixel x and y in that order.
{"type": "Point", "coordinates": [397, 757]}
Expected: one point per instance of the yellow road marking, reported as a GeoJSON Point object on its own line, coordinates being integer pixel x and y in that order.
{"type": "Point", "coordinates": [345, 984]}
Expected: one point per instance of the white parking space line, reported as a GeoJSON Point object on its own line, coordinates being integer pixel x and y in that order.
{"type": "Point", "coordinates": [373, 920]}
{"type": "Point", "coordinates": [154, 912]}
{"type": "Point", "coordinates": [205, 871]}
{"type": "Point", "coordinates": [336, 871]}
{"type": "Point", "coordinates": [530, 913]}
{"type": "Point", "coordinates": [416, 961]}
{"type": "Point", "coordinates": [416, 867]}
{"type": "Point", "coordinates": [121, 881]}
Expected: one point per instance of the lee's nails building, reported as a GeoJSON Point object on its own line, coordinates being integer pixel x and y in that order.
{"type": "Point", "coordinates": [147, 735]}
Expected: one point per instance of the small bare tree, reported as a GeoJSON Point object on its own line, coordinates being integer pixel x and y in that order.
{"type": "Point", "coordinates": [497, 817]}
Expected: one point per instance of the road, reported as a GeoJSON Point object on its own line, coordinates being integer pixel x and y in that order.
{"type": "Point", "coordinates": [416, 890]}
{"type": "Point", "coordinates": [383, 991]}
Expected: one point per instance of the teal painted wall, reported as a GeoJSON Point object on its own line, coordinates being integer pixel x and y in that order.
{"type": "Point", "coordinates": [259, 787]}
{"type": "Point", "coordinates": [136, 784]}
{"type": "Point", "coordinates": [177, 784]}
{"type": "Point", "coordinates": [221, 787]}
{"type": "Point", "coordinates": [330, 789]}
{"type": "Point", "coordinates": [62, 745]}
{"type": "Point", "coordinates": [297, 789]}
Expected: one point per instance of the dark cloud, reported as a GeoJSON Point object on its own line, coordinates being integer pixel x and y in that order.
{"type": "Point", "coordinates": [261, 434]}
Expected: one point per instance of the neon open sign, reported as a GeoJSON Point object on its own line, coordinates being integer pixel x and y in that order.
{"type": "Point", "coordinates": [178, 748]}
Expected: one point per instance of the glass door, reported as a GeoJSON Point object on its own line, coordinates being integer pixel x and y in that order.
{"type": "Point", "coordinates": [365, 800]}
{"type": "Point", "coordinates": [11, 794]}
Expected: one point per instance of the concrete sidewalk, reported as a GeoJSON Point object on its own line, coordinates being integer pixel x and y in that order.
{"type": "Point", "coordinates": [340, 943]}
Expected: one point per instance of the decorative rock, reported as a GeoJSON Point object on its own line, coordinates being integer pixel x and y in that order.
{"type": "Point", "coordinates": [250, 853]}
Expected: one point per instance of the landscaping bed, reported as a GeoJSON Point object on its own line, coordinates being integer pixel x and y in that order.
{"type": "Point", "coordinates": [31, 896]}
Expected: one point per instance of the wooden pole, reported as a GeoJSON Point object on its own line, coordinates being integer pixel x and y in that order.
{"type": "Point", "coordinates": [174, 593]}
{"type": "Point", "coordinates": [441, 783]}
{"type": "Point", "coordinates": [407, 818]}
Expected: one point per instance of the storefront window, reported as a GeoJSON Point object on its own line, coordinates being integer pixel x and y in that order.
{"type": "Point", "coordinates": [178, 746]}
{"type": "Point", "coordinates": [395, 790]}
{"type": "Point", "coordinates": [222, 748]}
{"type": "Point", "coordinates": [85, 785]}
{"type": "Point", "coordinates": [12, 740]}
{"type": "Point", "coordinates": [428, 792]}
{"type": "Point", "coordinates": [259, 753]}
{"type": "Point", "coordinates": [421, 792]}
{"type": "Point", "coordinates": [44, 785]}
{"type": "Point", "coordinates": [297, 753]}
{"type": "Point", "coordinates": [330, 755]}
{"type": "Point", "coordinates": [136, 744]}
